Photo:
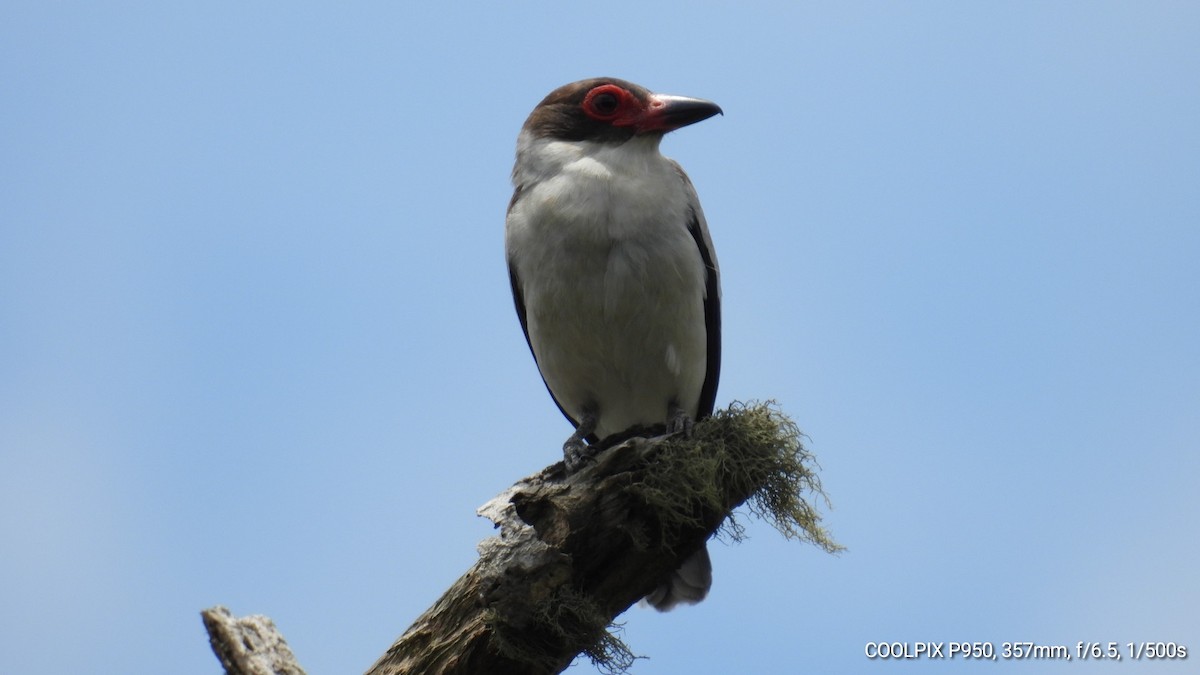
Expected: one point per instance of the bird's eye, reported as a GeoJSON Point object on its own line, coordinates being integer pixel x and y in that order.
{"type": "Point", "coordinates": [604, 102]}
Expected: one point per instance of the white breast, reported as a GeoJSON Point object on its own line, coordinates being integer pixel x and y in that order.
{"type": "Point", "coordinates": [612, 280]}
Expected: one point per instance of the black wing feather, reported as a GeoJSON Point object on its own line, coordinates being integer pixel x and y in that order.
{"type": "Point", "coordinates": [712, 320]}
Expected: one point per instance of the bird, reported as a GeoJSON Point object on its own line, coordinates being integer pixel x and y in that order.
{"type": "Point", "coordinates": [613, 273]}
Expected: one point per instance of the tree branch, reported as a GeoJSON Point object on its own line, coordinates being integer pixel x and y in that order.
{"type": "Point", "coordinates": [251, 645]}
{"type": "Point", "coordinates": [576, 550]}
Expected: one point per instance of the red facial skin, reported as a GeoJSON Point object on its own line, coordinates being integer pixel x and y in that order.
{"type": "Point", "coordinates": [620, 108]}
{"type": "Point", "coordinates": [613, 104]}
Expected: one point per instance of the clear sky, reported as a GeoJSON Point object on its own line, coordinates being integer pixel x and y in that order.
{"type": "Point", "coordinates": [257, 346]}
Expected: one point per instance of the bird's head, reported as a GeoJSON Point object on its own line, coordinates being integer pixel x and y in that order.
{"type": "Point", "coordinates": [607, 109]}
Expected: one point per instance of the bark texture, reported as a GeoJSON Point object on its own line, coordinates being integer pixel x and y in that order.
{"type": "Point", "coordinates": [576, 550]}
{"type": "Point", "coordinates": [251, 645]}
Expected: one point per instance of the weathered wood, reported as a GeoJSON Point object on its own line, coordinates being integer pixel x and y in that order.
{"type": "Point", "coordinates": [547, 587]}
{"type": "Point", "coordinates": [251, 645]}
{"type": "Point", "coordinates": [575, 550]}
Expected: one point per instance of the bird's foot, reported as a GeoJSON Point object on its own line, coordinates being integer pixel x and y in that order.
{"type": "Point", "coordinates": [679, 422]}
{"type": "Point", "coordinates": [576, 451]}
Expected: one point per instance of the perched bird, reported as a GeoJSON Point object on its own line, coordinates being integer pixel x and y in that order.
{"type": "Point", "coordinates": [613, 272]}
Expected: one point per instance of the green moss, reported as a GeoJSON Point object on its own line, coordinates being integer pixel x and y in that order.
{"type": "Point", "coordinates": [748, 453]}
{"type": "Point", "coordinates": [569, 618]}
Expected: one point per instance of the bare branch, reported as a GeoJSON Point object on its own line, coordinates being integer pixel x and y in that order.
{"type": "Point", "coordinates": [251, 645]}
{"type": "Point", "coordinates": [576, 550]}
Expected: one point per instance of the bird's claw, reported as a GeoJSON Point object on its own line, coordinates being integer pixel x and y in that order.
{"type": "Point", "coordinates": [576, 454]}
{"type": "Point", "coordinates": [680, 422]}
{"type": "Point", "coordinates": [576, 451]}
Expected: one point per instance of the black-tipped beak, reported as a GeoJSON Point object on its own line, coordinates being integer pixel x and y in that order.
{"type": "Point", "coordinates": [667, 113]}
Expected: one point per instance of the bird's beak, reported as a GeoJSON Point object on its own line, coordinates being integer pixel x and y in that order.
{"type": "Point", "coordinates": [667, 113]}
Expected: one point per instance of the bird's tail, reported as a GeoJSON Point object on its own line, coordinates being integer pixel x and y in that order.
{"type": "Point", "coordinates": [687, 585]}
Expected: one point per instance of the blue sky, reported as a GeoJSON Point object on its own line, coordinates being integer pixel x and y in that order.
{"type": "Point", "coordinates": [257, 346]}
